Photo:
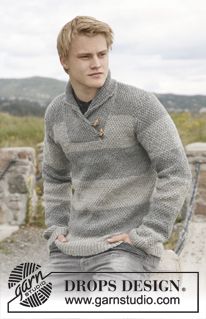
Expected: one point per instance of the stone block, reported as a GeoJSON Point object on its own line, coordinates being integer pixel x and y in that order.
{"type": "Point", "coordinates": [169, 263]}
{"type": "Point", "coordinates": [6, 231]}
{"type": "Point", "coordinates": [17, 184]}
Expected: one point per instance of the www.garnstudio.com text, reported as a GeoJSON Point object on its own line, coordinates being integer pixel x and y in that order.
{"type": "Point", "coordinates": [127, 300]}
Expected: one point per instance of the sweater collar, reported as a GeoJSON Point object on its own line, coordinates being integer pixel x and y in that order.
{"type": "Point", "coordinates": [103, 94]}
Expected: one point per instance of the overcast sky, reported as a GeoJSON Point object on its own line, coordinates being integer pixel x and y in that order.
{"type": "Point", "coordinates": [160, 45]}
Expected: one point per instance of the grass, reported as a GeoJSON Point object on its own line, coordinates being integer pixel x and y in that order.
{"type": "Point", "coordinates": [20, 131]}
{"type": "Point", "coordinates": [191, 127]}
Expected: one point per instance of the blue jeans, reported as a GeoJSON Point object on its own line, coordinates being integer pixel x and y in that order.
{"type": "Point", "coordinates": [95, 266]}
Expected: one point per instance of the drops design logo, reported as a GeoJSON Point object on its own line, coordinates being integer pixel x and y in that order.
{"type": "Point", "coordinates": [29, 284]}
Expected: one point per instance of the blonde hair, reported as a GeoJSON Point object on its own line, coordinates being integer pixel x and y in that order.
{"type": "Point", "coordinates": [81, 25]}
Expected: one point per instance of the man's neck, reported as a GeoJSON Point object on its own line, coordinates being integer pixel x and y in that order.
{"type": "Point", "coordinates": [84, 95]}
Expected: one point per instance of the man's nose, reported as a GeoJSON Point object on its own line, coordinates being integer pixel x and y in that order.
{"type": "Point", "coordinates": [95, 63]}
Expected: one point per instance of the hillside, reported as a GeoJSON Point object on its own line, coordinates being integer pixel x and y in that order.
{"type": "Point", "coordinates": [38, 89]}
{"type": "Point", "coordinates": [180, 103]}
{"type": "Point", "coordinates": [30, 96]}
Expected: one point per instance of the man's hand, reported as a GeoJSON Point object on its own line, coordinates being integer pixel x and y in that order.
{"type": "Point", "coordinates": [62, 238]}
{"type": "Point", "coordinates": [122, 237]}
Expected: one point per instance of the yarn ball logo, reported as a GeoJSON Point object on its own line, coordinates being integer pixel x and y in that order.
{"type": "Point", "coordinates": [30, 285]}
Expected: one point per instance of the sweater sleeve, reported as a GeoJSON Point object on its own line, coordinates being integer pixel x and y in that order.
{"type": "Point", "coordinates": [157, 134]}
{"type": "Point", "coordinates": [57, 185]}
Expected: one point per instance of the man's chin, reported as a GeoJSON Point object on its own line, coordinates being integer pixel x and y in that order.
{"type": "Point", "coordinates": [98, 83]}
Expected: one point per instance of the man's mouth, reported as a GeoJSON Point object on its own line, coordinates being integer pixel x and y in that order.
{"type": "Point", "coordinates": [96, 73]}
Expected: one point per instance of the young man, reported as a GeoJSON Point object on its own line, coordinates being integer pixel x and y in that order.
{"type": "Point", "coordinates": [115, 171]}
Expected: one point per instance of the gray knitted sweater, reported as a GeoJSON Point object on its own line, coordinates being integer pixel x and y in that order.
{"type": "Point", "coordinates": [120, 167]}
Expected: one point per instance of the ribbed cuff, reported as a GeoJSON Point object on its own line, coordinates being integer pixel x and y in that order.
{"type": "Point", "coordinates": [150, 248]}
{"type": "Point", "coordinates": [59, 230]}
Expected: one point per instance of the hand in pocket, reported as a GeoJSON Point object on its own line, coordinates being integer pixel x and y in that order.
{"type": "Point", "coordinates": [62, 238]}
{"type": "Point", "coordinates": [121, 237]}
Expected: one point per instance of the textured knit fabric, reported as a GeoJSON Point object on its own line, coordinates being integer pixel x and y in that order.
{"type": "Point", "coordinates": [118, 168]}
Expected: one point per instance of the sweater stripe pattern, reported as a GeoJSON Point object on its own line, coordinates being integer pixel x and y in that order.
{"type": "Point", "coordinates": [120, 167]}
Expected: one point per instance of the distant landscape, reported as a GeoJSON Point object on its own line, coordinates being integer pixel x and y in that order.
{"type": "Point", "coordinates": [31, 96]}
{"type": "Point", "coordinates": [23, 103]}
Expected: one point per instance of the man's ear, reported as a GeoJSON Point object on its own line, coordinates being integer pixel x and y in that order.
{"type": "Point", "coordinates": [64, 63]}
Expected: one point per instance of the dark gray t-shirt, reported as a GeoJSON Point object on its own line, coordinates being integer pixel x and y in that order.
{"type": "Point", "coordinates": [82, 105]}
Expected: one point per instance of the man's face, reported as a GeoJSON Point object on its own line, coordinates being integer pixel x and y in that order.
{"type": "Point", "coordinates": [87, 62]}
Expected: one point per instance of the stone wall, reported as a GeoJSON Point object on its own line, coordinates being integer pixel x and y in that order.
{"type": "Point", "coordinates": [21, 175]}
{"type": "Point", "coordinates": [17, 184]}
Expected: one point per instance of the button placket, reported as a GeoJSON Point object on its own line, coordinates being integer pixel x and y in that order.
{"type": "Point", "coordinates": [97, 123]}
{"type": "Point", "coordinates": [101, 132]}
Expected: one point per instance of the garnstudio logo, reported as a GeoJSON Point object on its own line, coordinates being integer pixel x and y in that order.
{"type": "Point", "coordinates": [30, 285]}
